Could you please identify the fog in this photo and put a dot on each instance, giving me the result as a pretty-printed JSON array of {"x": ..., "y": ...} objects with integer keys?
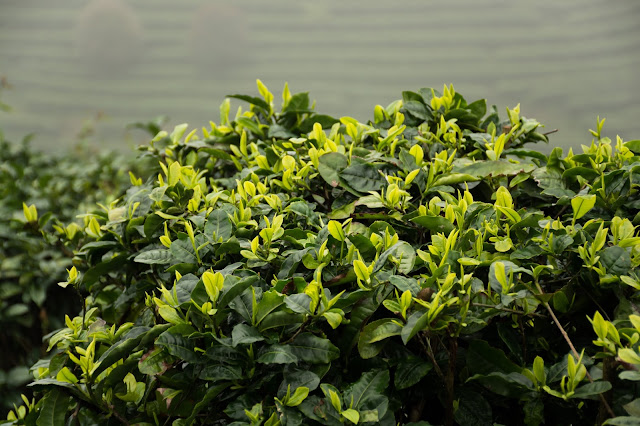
[{"x": 84, "y": 69}]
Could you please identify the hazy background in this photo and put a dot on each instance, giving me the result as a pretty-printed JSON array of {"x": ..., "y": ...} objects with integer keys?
[{"x": 82, "y": 65}]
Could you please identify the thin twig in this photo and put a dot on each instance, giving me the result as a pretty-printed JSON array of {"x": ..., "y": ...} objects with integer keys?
[
  {"x": 299, "y": 330},
  {"x": 603, "y": 400},
  {"x": 429, "y": 352},
  {"x": 117, "y": 415},
  {"x": 550, "y": 132},
  {"x": 512, "y": 311}
]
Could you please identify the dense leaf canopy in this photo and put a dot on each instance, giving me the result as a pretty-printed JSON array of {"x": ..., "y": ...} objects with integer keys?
[{"x": 286, "y": 267}]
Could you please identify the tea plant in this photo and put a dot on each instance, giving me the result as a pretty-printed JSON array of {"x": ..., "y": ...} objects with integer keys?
[
  {"x": 285, "y": 267},
  {"x": 50, "y": 191}
]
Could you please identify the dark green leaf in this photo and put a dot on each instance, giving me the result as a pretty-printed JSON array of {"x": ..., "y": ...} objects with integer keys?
[
  {"x": 330, "y": 165},
  {"x": 252, "y": 100},
  {"x": 473, "y": 409},
  {"x": 371, "y": 339},
  {"x": 277, "y": 354},
  {"x": 218, "y": 224},
  {"x": 183, "y": 251},
  {"x": 103, "y": 268},
  {"x": 417, "y": 109},
  {"x": 362, "y": 177},
  {"x": 584, "y": 172},
  {"x": 280, "y": 319},
  {"x": 234, "y": 289},
  {"x": 415, "y": 323},
  {"x": 53, "y": 411},
  {"x": 410, "y": 371},
  {"x": 483, "y": 359},
  {"x": 436, "y": 224},
  {"x": 325, "y": 121},
  {"x": 219, "y": 372},
  {"x": 403, "y": 284},
  {"x": 591, "y": 389},
  {"x": 243, "y": 334},
  {"x": 178, "y": 346},
  {"x": 296, "y": 378},
  {"x": 527, "y": 252},
  {"x": 366, "y": 249},
  {"x": 205, "y": 401},
  {"x": 370, "y": 385},
  {"x": 157, "y": 256},
  {"x": 270, "y": 301},
  {"x": 512, "y": 385},
  {"x": 298, "y": 102},
  {"x": 561, "y": 242},
  {"x": 217, "y": 153},
  {"x": 534, "y": 412},
  {"x": 299, "y": 303},
  {"x": 251, "y": 125},
  {"x": 155, "y": 362},
  {"x": 121, "y": 349},
  {"x": 616, "y": 260},
  {"x": 484, "y": 169},
  {"x": 313, "y": 349}
]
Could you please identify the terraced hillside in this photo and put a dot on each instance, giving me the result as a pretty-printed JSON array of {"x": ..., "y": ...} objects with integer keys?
[{"x": 115, "y": 61}]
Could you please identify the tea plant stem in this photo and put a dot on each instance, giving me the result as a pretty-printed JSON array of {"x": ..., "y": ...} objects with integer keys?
[
  {"x": 512, "y": 311},
  {"x": 64, "y": 249},
  {"x": 427, "y": 349},
  {"x": 117, "y": 415},
  {"x": 608, "y": 374},
  {"x": 84, "y": 306},
  {"x": 603, "y": 401},
  {"x": 450, "y": 381},
  {"x": 300, "y": 330},
  {"x": 524, "y": 340}
]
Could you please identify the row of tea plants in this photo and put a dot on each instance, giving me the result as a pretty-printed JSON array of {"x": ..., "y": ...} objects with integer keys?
[
  {"x": 285, "y": 267},
  {"x": 31, "y": 304}
]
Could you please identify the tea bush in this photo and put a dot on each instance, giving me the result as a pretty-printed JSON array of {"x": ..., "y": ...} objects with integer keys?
[
  {"x": 31, "y": 304},
  {"x": 425, "y": 267}
]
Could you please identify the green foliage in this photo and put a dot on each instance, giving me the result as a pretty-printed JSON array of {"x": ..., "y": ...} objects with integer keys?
[
  {"x": 41, "y": 194},
  {"x": 291, "y": 268}
]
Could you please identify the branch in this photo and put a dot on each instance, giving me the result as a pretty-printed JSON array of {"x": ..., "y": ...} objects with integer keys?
[
  {"x": 603, "y": 400},
  {"x": 299, "y": 330},
  {"x": 429, "y": 352},
  {"x": 512, "y": 311}
]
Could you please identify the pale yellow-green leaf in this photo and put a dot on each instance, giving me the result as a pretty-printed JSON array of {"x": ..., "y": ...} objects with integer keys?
[
  {"x": 361, "y": 270},
  {"x": 503, "y": 245},
  {"x": 170, "y": 315},
  {"x": 298, "y": 396},
  {"x": 333, "y": 318},
  {"x": 468, "y": 261},
  {"x": 65, "y": 375},
  {"x": 336, "y": 231},
  {"x": 417, "y": 153},
  {"x": 581, "y": 205},
  {"x": 501, "y": 276},
  {"x": 30, "y": 212},
  {"x": 629, "y": 355},
  {"x": 352, "y": 415},
  {"x": 538, "y": 370},
  {"x": 335, "y": 401},
  {"x": 178, "y": 132},
  {"x": 503, "y": 198}
]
